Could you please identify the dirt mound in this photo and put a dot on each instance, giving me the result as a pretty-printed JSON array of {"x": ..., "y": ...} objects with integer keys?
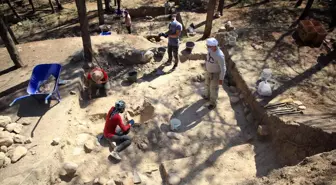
[{"x": 318, "y": 169}]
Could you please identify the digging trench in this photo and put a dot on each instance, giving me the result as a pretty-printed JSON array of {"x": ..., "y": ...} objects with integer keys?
[{"x": 292, "y": 141}]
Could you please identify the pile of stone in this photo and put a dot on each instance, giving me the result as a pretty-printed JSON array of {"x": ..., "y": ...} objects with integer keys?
[{"x": 11, "y": 149}]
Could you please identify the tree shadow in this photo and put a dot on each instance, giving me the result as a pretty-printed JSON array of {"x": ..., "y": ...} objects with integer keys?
[
  {"x": 322, "y": 61},
  {"x": 10, "y": 69}
]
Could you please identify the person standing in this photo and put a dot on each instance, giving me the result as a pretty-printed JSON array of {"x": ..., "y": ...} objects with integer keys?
[
  {"x": 115, "y": 131},
  {"x": 175, "y": 29},
  {"x": 128, "y": 22},
  {"x": 215, "y": 71}
]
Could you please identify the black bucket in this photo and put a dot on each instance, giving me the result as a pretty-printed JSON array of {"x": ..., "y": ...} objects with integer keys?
[
  {"x": 190, "y": 46},
  {"x": 132, "y": 76},
  {"x": 161, "y": 51}
]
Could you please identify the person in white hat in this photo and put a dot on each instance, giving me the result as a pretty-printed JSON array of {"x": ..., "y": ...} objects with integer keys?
[
  {"x": 97, "y": 79},
  {"x": 216, "y": 69}
]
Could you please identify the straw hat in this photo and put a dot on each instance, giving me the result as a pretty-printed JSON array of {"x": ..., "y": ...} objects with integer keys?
[{"x": 97, "y": 76}]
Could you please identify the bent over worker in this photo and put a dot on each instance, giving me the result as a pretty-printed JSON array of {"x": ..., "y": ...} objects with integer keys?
[
  {"x": 97, "y": 80},
  {"x": 115, "y": 131},
  {"x": 215, "y": 67}
]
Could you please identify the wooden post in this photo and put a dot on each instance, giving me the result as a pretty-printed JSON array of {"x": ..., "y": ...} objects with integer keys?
[
  {"x": 209, "y": 18},
  {"x": 84, "y": 26},
  {"x": 51, "y": 6},
  {"x": 100, "y": 12},
  {"x": 9, "y": 43}
]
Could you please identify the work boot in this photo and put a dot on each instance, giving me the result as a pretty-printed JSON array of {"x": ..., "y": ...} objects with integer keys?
[
  {"x": 115, "y": 155},
  {"x": 168, "y": 63},
  {"x": 175, "y": 66},
  {"x": 113, "y": 144},
  {"x": 211, "y": 107},
  {"x": 205, "y": 97}
]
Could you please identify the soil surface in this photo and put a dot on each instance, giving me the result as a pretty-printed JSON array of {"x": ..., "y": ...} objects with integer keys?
[
  {"x": 175, "y": 94},
  {"x": 211, "y": 145}
]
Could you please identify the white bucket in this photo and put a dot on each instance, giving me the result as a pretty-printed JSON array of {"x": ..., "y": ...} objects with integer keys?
[{"x": 175, "y": 124}]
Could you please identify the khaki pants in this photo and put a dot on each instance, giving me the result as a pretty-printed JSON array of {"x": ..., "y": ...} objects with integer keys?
[{"x": 212, "y": 86}]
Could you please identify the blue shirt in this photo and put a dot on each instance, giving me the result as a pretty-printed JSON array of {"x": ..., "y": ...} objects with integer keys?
[{"x": 173, "y": 27}]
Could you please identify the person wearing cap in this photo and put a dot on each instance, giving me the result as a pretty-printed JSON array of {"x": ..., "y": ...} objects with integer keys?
[
  {"x": 175, "y": 29},
  {"x": 97, "y": 79},
  {"x": 115, "y": 131},
  {"x": 216, "y": 69}
]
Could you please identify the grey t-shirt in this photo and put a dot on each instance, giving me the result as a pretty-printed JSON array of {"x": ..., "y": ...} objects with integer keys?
[{"x": 173, "y": 27}]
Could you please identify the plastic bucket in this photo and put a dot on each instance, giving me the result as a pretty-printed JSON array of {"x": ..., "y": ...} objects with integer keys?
[
  {"x": 132, "y": 76},
  {"x": 175, "y": 124}
]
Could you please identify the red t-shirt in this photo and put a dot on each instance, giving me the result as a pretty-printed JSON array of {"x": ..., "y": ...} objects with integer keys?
[
  {"x": 98, "y": 69},
  {"x": 111, "y": 124}
]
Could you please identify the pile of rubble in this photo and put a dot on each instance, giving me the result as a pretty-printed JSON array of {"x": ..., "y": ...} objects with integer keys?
[{"x": 11, "y": 142}]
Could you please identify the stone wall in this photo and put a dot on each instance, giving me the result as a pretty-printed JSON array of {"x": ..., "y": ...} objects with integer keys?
[{"x": 292, "y": 141}]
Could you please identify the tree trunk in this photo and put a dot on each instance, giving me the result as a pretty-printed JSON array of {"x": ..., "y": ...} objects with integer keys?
[
  {"x": 107, "y": 6},
  {"x": 221, "y": 7},
  {"x": 84, "y": 26},
  {"x": 32, "y": 5},
  {"x": 9, "y": 43},
  {"x": 59, "y": 5},
  {"x": 298, "y": 3},
  {"x": 209, "y": 18},
  {"x": 184, "y": 30},
  {"x": 51, "y": 6},
  {"x": 13, "y": 9},
  {"x": 306, "y": 10},
  {"x": 100, "y": 12}
]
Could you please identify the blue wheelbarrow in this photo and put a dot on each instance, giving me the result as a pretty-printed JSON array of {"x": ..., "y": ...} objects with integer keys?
[{"x": 40, "y": 75}]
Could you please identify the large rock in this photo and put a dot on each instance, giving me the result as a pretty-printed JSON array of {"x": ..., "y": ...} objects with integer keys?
[
  {"x": 234, "y": 99},
  {"x": 131, "y": 57},
  {"x": 70, "y": 167},
  {"x": 89, "y": 146},
  {"x": 136, "y": 178},
  {"x": 173, "y": 135},
  {"x": 6, "y": 139},
  {"x": 18, "y": 128},
  {"x": 173, "y": 179},
  {"x": 19, "y": 139},
  {"x": 124, "y": 178},
  {"x": 10, "y": 127},
  {"x": 4, "y": 121},
  {"x": 18, "y": 153},
  {"x": 233, "y": 89},
  {"x": 111, "y": 182},
  {"x": 2, "y": 159},
  {"x": 249, "y": 118},
  {"x": 3, "y": 149},
  {"x": 56, "y": 141}
]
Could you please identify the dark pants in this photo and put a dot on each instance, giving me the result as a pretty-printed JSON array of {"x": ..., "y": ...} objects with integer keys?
[
  {"x": 118, "y": 4},
  {"x": 122, "y": 140},
  {"x": 173, "y": 50},
  {"x": 129, "y": 29}
]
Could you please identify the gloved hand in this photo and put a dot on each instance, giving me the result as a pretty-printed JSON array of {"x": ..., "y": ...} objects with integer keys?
[{"x": 163, "y": 35}]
